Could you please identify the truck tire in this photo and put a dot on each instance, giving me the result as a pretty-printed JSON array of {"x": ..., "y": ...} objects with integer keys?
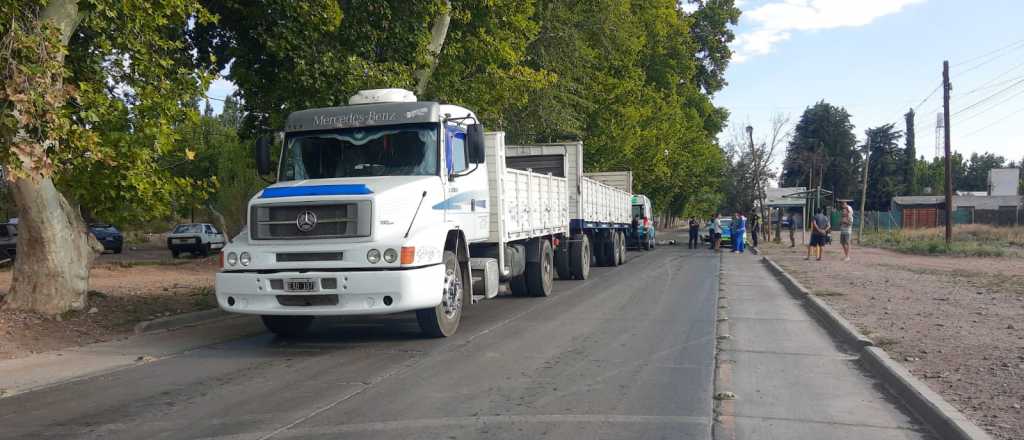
[
  {"x": 174, "y": 254},
  {"x": 611, "y": 254},
  {"x": 622, "y": 249},
  {"x": 579, "y": 257},
  {"x": 287, "y": 326},
  {"x": 443, "y": 320},
  {"x": 517, "y": 285},
  {"x": 540, "y": 276},
  {"x": 562, "y": 263},
  {"x": 204, "y": 250}
]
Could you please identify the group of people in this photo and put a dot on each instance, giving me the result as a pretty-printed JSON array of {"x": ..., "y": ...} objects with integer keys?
[
  {"x": 821, "y": 228},
  {"x": 737, "y": 231}
]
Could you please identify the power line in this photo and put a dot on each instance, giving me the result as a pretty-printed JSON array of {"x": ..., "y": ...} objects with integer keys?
[
  {"x": 992, "y": 82},
  {"x": 1009, "y": 46},
  {"x": 1000, "y": 120},
  {"x": 985, "y": 99},
  {"x": 991, "y": 107}
]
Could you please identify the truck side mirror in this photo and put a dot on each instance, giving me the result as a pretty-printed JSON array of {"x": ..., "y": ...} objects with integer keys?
[
  {"x": 262, "y": 154},
  {"x": 475, "y": 142}
]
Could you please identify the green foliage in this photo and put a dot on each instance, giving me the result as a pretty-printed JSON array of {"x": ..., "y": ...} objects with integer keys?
[
  {"x": 910, "y": 157},
  {"x": 823, "y": 148},
  {"x": 886, "y": 177},
  {"x": 975, "y": 177},
  {"x": 101, "y": 111}
]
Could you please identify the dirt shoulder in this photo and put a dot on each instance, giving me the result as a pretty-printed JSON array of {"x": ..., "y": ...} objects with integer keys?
[
  {"x": 121, "y": 296},
  {"x": 955, "y": 322}
]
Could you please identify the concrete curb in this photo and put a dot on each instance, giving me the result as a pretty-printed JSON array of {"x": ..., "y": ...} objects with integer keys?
[
  {"x": 182, "y": 320},
  {"x": 834, "y": 322},
  {"x": 942, "y": 417}
]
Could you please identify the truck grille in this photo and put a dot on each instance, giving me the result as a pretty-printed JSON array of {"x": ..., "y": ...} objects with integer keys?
[{"x": 301, "y": 221}]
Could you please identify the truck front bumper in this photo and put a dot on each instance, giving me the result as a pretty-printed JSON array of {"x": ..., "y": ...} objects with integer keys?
[{"x": 350, "y": 293}]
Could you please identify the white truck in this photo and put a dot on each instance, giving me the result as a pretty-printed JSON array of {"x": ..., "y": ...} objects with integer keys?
[
  {"x": 391, "y": 205},
  {"x": 599, "y": 204}
]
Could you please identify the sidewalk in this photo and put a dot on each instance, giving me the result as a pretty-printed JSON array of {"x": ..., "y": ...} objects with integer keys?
[
  {"x": 790, "y": 379},
  {"x": 56, "y": 367}
]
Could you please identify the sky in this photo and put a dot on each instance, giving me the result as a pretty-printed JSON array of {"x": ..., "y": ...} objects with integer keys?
[{"x": 879, "y": 58}]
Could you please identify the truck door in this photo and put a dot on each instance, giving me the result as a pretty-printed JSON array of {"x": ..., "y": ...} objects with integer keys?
[{"x": 466, "y": 195}]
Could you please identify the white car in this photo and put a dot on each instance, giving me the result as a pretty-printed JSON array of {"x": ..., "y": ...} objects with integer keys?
[{"x": 195, "y": 238}]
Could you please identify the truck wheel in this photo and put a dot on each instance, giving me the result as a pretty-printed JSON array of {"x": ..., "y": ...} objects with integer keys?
[
  {"x": 622, "y": 248},
  {"x": 540, "y": 275},
  {"x": 442, "y": 320},
  {"x": 611, "y": 250},
  {"x": 204, "y": 251},
  {"x": 579, "y": 257},
  {"x": 174, "y": 254},
  {"x": 562, "y": 263},
  {"x": 287, "y": 326}
]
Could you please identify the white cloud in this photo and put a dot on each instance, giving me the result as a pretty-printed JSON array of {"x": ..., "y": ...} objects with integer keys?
[{"x": 776, "y": 21}]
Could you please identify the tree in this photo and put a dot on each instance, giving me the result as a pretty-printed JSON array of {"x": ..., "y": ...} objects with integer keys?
[
  {"x": 91, "y": 93},
  {"x": 976, "y": 171},
  {"x": 885, "y": 167},
  {"x": 910, "y": 182},
  {"x": 823, "y": 151}
]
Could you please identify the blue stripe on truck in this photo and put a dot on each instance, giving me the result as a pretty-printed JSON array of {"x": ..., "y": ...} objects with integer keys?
[{"x": 316, "y": 190}]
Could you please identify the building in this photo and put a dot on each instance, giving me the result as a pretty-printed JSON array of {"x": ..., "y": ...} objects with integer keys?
[
  {"x": 1003, "y": 181},
  {"x": 930, "y": 211}
]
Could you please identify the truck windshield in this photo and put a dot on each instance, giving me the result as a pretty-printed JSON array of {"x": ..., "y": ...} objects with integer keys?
[{"x": 406, "y": 150}]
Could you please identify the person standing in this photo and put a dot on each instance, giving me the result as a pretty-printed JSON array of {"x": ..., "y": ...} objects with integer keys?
[
  {"x": 694, "y": 232},
  {"x": 716, "y": 237},
  {"x": 846, "y": 228},
  {"x": 820, "y": 227},
  {"x": 740, "y": 235},
  {"x": 790, "y": 224},
  {"x": 755, "y": 225}
]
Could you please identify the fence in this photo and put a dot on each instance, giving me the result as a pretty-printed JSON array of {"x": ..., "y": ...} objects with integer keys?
[{"x": 913, "y": 218}]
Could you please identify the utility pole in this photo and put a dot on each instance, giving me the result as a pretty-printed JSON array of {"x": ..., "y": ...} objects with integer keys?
[
  {"x": 864, "y": 188},
  {"x": 946, "y": 87}
]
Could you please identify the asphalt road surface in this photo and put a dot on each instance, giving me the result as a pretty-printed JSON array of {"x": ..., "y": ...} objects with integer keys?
[{"x": 628, "y": 353}]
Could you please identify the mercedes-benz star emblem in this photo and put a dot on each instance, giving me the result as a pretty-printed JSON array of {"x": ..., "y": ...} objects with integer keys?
[{"x": 306, "y": 221}]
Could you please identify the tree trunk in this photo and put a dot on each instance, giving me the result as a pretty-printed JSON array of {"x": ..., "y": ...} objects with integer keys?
[
  {"x": 55, "y": 251},
  {"x": 438, "y": 33}
]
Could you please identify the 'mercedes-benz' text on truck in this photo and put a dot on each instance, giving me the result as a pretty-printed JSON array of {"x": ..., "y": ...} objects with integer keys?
[{"x": 390, "y": 205}]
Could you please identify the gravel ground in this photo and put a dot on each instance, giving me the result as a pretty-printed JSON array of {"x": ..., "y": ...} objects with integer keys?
[
  {"x": 957, "y": 323},
  {"x": 122, "y": 294}
]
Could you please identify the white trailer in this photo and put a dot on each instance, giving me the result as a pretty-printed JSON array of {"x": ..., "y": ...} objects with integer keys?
[
  {"x": 390, "y": 205},
  {"x": 600, "y": 214}
]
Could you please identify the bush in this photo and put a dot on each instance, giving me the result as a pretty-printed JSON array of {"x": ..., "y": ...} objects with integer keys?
[{"x": 968, "y": 241}]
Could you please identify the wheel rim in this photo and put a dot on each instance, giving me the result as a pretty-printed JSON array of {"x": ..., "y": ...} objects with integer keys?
[
  {"x": 547, "y": 268},
  {"x": 451, "y": 298}
]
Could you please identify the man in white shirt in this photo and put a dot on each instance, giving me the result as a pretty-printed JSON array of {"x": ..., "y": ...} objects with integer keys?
[{"x": 846, "y": 228}]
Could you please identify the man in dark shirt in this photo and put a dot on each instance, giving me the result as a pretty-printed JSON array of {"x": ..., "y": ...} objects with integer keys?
[
  {"x": 694, "y": 232},
  {"x": 820, "y": 228}
]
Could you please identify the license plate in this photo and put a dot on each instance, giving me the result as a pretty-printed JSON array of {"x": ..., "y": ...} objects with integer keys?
[{"x": 299, "y": 285}]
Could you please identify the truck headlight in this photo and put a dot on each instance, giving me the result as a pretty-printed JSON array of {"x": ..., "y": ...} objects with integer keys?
[
  {"x": 390, "y": 256},
  {"x": 245, "y": 258},
  {"x": 232, "y": 258},
  {"x": 373, "y": 256}
]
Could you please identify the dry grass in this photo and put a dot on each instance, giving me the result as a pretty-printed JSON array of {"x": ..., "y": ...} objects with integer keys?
[{"x": 968, "y": 240}]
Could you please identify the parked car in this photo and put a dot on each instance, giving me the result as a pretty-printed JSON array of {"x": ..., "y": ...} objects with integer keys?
[
  {"x": 8, "y": 241},
  {"x": 195, "y": 238},
  {"x": 108, "y": 236},
  {"x": 726, "y": 233}
]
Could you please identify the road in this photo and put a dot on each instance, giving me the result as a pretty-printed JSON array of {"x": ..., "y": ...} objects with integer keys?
[{"x": 627, "y": 354}]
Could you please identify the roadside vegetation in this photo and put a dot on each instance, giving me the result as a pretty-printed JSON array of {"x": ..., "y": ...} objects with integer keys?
[{"x": 968, "y": 241}]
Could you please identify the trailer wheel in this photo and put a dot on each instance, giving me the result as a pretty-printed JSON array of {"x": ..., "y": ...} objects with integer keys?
[
  {"x": 562, "y": 264},
  {"x": 622, "y": 248},
  {"x": 540, "y": 275},
  {"x": 611, "y": 253},
  {"x": 287, "y": 326},
  {"x": 442, "y": 320},
  {"x": 579, "y": 256}
]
